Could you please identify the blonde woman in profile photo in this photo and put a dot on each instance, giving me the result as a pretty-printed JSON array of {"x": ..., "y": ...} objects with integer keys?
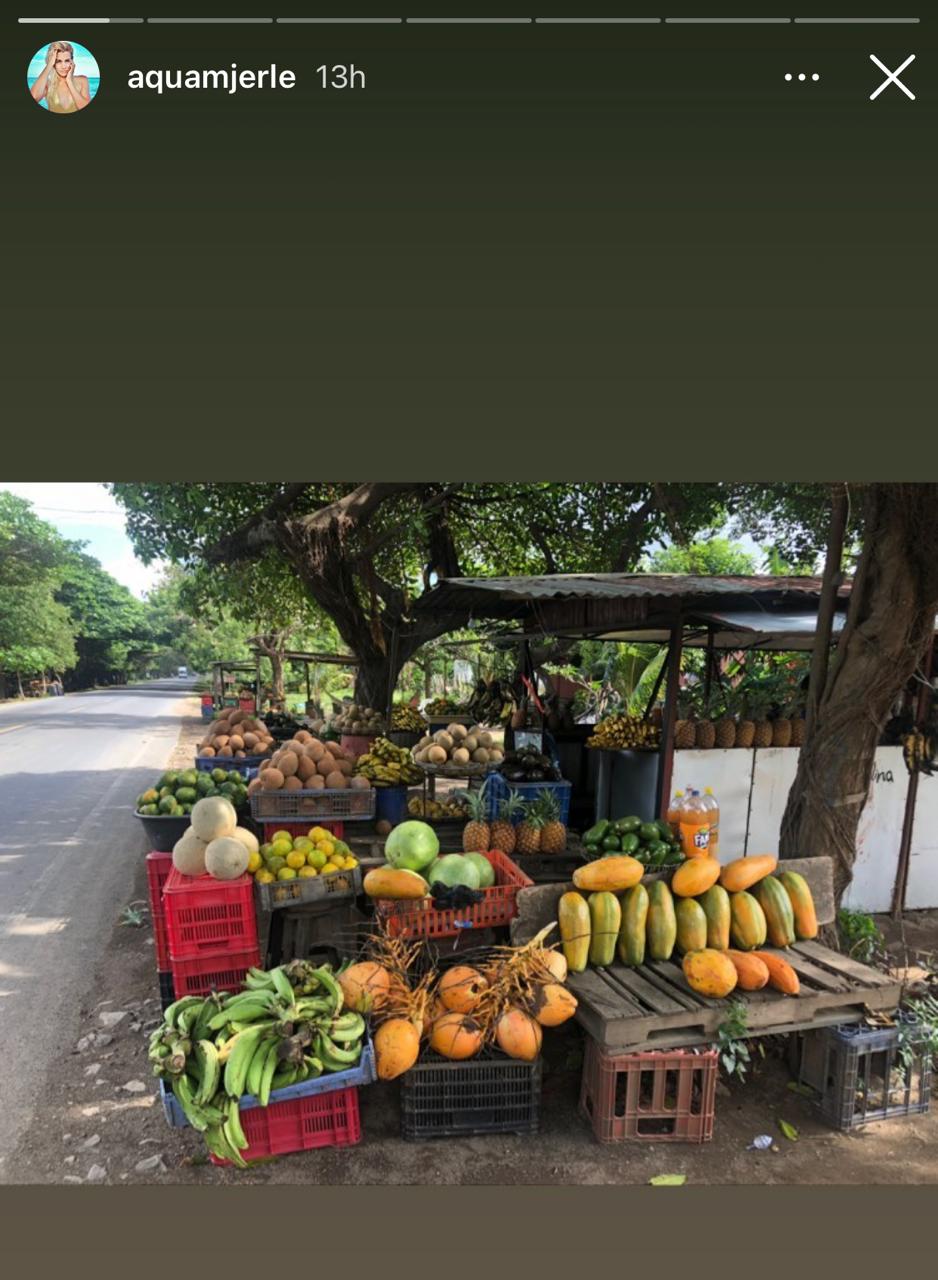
[{"x": 62, "y": 89}]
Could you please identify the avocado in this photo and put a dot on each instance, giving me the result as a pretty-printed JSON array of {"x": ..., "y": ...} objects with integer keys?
[
  {"x": 625, "y": 826},
  {"x": 610, "y": 843},
  {"x": 596, "y": 833},
  {"x": 629, "y": 843},
  {"x": 649, "y": 833}
]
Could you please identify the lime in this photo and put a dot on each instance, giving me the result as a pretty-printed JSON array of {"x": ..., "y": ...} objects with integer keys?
[
  {"x": 276, "y": 865},
  {"x": 316, "y": 858},
  {"x": 296, "y": 859},
  {"x": 286, "y": 873}
]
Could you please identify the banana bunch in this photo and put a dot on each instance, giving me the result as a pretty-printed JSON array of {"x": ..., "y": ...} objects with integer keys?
[
  {"x": 918, "y": 752},
  {"x": 407, "y": 719},
  {"x": 388, "y": 766},
  {"x": 620, "y": 732},
  {"x": 287, "y": 1026},
  {"x": 437, "y": 810}
]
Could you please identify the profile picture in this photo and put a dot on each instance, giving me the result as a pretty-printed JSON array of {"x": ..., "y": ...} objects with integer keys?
[{"x": 63, "y": 77}]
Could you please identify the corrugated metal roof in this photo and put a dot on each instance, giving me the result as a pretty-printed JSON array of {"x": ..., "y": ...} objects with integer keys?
[{"x": 619, "y": 585}]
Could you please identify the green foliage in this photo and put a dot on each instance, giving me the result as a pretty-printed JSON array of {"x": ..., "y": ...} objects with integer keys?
[
  {"x": 712, "y": 556},
  {"x": 919, "y": 1037},
  {"x": 735, "y": 1058},
  {"x": 860, "y": 936}
]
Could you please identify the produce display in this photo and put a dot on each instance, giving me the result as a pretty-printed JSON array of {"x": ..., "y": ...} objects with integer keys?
[
  {"x": 538, "y": 831},
  {"x": 306, "y": 763},
  {"x": 529, "y": 765},
  {"x": 652, "y": 842},
  {"x": 287, "y": 857},
  {"x": 728, "y": 732},
  {"x": 610, "y": 915},
  {"x": 407, "y": 719},
  {"x": 437, "y": 707},
  {"x": 386, "y": 765},
  {"x": 416, "y": 869},
  {"x": 504, "y": 1000},
  {"x": 178, "y": 790},
  {"x": 453, "y": 809},
  {"x": 236, "y": 734},
  {"x": 459, "y": 747},
  {"x": 287, "y": 1025},
  {"x": 214, "y": 844},
  {"x": 363, "y": 722},
  {"x": 620, "y": 732}
]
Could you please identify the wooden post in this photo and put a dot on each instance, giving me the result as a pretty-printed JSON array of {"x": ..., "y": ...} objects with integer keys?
[
  {"x": 830, "y": 582},
  {"x": 911, "y": 795},
  {"x": 666, "y": 750}
]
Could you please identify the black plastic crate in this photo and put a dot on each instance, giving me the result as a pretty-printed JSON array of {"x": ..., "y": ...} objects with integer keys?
[
  {"x": 488, "y": 1094},
  {"x": 167, "y": 993},
  {"x": 858, "y": 1076}
]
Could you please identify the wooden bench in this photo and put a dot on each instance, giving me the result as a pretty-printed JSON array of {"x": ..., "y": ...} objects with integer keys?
[{"x": 652, "y": 1007}]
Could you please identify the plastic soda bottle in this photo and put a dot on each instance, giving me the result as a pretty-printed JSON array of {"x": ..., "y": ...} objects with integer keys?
[
  {"x": 673, "y": 816},
  {"x": 713, "y": 809},
  {"x": 694, "y": 827}
]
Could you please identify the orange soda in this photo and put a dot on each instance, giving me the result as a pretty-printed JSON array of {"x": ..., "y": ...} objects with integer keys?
[{"x": 694, "y": 827}]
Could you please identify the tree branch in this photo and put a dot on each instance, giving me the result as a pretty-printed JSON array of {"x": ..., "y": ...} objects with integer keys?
[
  {"x": 632, "y": 541},
  {"x": 259, "y": 532}
]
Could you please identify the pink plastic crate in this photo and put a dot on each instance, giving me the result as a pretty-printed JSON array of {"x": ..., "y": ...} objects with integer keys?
[
  {"x": 301, "y": 1124},
  {"x": 208, "y": 915},
  {"x": 159, "y": 866}
]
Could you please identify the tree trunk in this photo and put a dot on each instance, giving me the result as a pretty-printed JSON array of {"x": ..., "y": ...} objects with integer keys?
[
  {"x": 891, "y": 614},
  {"x": 830, "y": 584},
  {"x": 276, "y": 675}
]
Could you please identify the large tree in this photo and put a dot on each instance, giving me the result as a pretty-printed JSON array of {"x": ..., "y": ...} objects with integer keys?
[
  {"x": 368, "y": 555},
  {"x": 113, "y": 639},
  {"x": 890, "y": 622}
]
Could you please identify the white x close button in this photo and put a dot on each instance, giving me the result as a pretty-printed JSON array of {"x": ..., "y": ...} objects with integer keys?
[{"x": 892, "y": 77}]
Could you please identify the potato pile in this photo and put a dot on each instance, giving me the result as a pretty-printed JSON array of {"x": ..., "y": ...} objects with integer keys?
[
  {"x": 307, "y": 764},
  {"x": 459, "y": 746},
  {"x": 236, "y": 734}
]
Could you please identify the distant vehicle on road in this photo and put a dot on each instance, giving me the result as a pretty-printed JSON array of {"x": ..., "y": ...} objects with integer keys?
[{"x": 182, "y": 671}]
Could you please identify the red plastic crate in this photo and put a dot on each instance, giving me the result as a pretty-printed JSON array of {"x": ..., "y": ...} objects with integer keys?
[
  {"x": 301, "y": 1124},
  {"x": 302, "y": 828},
  {"x": 649, "y": 1097},
  {"x": 421, "y": 919},
  {"x": 218, "y": 971},
  {"x": 208, "y": 915},
  {"x": 159, "y": 866}
]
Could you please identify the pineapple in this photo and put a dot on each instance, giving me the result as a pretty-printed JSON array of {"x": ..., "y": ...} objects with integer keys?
[
  {"x": 745, "y": 733},
  {"x": 685, "y": 734},
  {"x": 553, "y": 833},
  {"x": 502, "y": 831},
  {"x": 477, "y": 834},
  {"x": 781, "y": 732},
  {"x": 529, "y": 832},
  {"x": 704, "y": 734},
  {"x": 797, "y": 731},
  {"x": 725, "y": 732}
]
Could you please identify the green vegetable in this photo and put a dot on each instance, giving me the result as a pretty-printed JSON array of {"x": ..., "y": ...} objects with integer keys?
[
  {"x": 596, "y": 833},
  {"x": 610, "y": 843},
  {"x": 625, "y": 826},
  {"x": 649, "y": 833},
  {"x": 629, "y": 843},
  {"x": 664, "y": 828}
]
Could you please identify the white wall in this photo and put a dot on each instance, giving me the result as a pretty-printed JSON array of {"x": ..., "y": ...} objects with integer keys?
[{"x": 752, "y": 788}]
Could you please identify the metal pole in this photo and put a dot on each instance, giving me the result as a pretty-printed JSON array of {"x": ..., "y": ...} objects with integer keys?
[
  {"x": 708, "y": 668},
  {"x": 666, "y": 750},
  {"x": 911, "y": 795}
]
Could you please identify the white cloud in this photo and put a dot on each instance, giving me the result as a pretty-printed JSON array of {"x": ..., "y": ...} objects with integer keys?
[
  {"x": 138, "y": 577},
  {"x": 80, "y": 503}
]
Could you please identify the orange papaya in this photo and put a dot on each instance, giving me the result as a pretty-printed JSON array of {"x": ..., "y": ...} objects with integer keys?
[
  {"x": 691, "y": 924},
  {"x": 781, "y": 975},
  {"x": 752, "y": 974},
  {"x": 743, "y": 873},
  {"x": 716, "y": 907},
  {"x": 802, "y": 904},
  {"x": 776, "y": 907},
  {"x": 695, "y": 876},
  {"x": 709, "y": 972},
  {"x": 747, "y": 922},
  {"x": 661, "y": 924}
]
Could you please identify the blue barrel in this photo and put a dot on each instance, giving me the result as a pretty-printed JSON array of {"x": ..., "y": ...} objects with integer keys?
[{"x": 391, "y": 804}]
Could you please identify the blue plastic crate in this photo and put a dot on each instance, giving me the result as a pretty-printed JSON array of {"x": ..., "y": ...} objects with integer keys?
[
  {"x": 208, "y": 713},
  {"x": 247, "y": 767},
  {"x": 498, "y": 790},
  {"x": 363, "y": 1073}
]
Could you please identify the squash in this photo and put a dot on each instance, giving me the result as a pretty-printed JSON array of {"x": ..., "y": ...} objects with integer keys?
[
  {"x": 709, "y": 972},
  {"x": 752, "y": 974},
  {"x": 695, "y": 876},
  {"x": 391, "y": 882},
  {"x": 631, "y": 946},
  {"x": 691, "y": 924},
  {"x": 747, "y": 922},
  {"x": 744, "y": 872},
  {"x": 716, "y": 907},
  {"x": 613, "y": 874},
  {"x": 661, "y": 925},
  {"x": 802, "y": 904},
  {"x": 776, "y": 907},
  {"x": 605, "y": 918},
  {"x": 573, "y": 917},
  {"x": 781, "y": 975}
]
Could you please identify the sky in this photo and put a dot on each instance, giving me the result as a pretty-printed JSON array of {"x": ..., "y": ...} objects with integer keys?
[{"x": 88, "y": 513}]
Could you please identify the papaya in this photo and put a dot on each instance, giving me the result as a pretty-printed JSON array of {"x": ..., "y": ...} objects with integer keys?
[
  {"x": 614, "y": 874},
  {"x": 710, "y": 973},
  {"x": 744, "y": 872},
  {"x": 802, "y": 904},
  {"x": 748, "y": 929},
  {"x": 661, "y": 923},
  {"x": 716, "y": 907},
  {"x": 695, "y": 876},
  {"x": 605, "y": 919},
  {"x": 691, "y": 924},
  {"x": 752, "y": 974},
  {"x": 388, "y": 882},
  {"x": 776, "y": 907},
  {"x": 781, "y": 975},
  {"x": 631, "y": 945},
  {"x": 573, "y": 917}
]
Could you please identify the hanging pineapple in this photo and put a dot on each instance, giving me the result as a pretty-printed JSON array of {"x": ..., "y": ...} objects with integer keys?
[
  {"x": 477, "y": 834},
  {"x": 553, "y": 832},
  {"x": 529, "y": 831},
  {"x": 502, "y": 830},
  {"x": 781, "y": 732},
  {"x": 685, "y": 731},
  {"x": 725, "y": 729}
]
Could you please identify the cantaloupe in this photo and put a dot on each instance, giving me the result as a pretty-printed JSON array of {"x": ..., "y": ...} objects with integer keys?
[
  {"x": 213, "y": 817},
  {"x": 236, "y": 742},
  {"x": 247, "y": 838},
  {"x": 436, "y": 755},
  {"x": 461, "y": 756},
  {"x": 189, "y": 854},
  {"x": 226, "y": 858}
]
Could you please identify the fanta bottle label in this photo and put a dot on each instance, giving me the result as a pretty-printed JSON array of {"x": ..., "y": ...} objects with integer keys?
[{"x": 695, "y": 839}]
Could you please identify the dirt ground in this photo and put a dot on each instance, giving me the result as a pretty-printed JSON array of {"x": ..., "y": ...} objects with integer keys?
[{"x": 103, "y": 1122}]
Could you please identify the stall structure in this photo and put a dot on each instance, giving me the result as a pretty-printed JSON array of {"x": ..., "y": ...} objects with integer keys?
[
  {"x": 225, "y": 682},
  {"x": 306, "y": 660}
]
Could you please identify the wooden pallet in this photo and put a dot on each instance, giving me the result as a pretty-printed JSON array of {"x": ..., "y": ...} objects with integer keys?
[{"x": 653, "y": 1006}]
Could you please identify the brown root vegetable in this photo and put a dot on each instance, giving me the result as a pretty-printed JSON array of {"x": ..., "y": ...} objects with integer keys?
[
  {"x": 293, "y": 783},
  {"x": 336, "y": 781},
  {"x": 288, "y": 763},
  {"x": 273, "y": 779}
]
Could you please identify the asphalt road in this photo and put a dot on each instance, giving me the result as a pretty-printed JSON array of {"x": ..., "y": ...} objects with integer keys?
[{"x": 70, "y": 771}]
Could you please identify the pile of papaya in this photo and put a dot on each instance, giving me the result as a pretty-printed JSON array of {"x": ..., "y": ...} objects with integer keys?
[
  {"x": 651, "y": 843},
  {"x": 718, "y": 918}
]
